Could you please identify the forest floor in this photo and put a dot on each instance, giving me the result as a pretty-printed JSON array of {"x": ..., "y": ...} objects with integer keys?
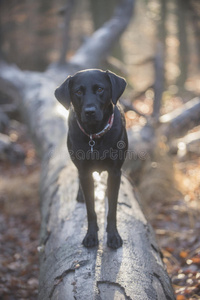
[
  {"x": 170, "y": 196},
  {"x": 176, "y": 223},
  {"x": 20, "y": 221}
]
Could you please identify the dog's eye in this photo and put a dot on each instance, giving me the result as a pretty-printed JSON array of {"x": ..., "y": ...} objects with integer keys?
[
  {"x": 100, "y": 90},
  {"x": 79, "y": 93}
]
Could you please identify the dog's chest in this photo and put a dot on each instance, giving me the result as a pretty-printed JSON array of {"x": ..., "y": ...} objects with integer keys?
[{"x": 90, "y": 147}]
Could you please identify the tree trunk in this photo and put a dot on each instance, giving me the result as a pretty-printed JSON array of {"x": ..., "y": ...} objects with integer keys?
[{"x": 182, "y": 12}]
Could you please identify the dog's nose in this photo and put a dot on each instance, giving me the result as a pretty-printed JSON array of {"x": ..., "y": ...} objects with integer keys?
[{"x": 90, "y": 111}]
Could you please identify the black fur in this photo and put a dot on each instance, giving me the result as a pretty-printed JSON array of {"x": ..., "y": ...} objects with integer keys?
[{"x": 91, "y": 96}]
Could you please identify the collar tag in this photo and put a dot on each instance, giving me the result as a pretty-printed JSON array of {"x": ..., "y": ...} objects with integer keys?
[{"x": 91, "y": 143}]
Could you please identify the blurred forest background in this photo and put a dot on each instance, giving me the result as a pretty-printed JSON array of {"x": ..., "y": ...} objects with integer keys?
[{"x": 160, "y": 46}]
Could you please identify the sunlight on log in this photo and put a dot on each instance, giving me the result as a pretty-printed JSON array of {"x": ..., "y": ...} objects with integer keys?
[
  {"x": 100, "y": 186},
  {"x": 61, "y": 110}
]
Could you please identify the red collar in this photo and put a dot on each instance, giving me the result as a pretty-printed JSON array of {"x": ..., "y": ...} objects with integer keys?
[{"x": 100, "y": 133}]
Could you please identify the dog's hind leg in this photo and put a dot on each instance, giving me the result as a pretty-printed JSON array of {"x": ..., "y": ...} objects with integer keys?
[
  {"x": 87, "y": 184},
  {"x": 80, "y": 196},
  {"x": 113, "y": 238}
]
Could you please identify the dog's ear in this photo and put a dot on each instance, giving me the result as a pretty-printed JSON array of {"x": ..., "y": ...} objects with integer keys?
[
  {"x": 118, "y": 85},
  {"x": 62, "y": 93}
]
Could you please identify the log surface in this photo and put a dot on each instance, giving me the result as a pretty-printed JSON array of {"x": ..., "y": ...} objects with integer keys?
[{"x": 71, "y": 271}]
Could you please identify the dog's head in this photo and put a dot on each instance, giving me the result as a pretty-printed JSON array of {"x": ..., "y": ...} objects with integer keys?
[{"x": 92, "y": 92}]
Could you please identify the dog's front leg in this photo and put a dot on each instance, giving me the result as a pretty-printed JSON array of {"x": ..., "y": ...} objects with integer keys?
[
  {"x": 113, "y": 239},
  {"x": 87, "y": 184}
]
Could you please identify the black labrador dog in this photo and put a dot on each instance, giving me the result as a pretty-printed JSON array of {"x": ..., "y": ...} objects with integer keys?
[{"x": 97, "y": 141}]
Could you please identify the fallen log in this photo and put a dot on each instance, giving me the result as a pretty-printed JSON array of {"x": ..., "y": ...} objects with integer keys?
[
  {"x": 171, "y": 128},
  {"x": 67, "y": 269},
  {"x": 188, "y": 144},
  {"x": 177, "y": 123}
]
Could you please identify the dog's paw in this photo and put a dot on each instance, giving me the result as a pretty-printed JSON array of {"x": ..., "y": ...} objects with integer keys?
[
  {"x": 114, "y": 240},
  {"x": 91, "y": 239}
]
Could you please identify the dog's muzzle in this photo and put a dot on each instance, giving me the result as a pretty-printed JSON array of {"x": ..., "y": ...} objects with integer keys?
[{"x": 90, "y": 113}]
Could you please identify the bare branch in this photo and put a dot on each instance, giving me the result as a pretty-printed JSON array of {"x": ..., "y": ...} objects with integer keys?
[{"x": 181, "y": 120}]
